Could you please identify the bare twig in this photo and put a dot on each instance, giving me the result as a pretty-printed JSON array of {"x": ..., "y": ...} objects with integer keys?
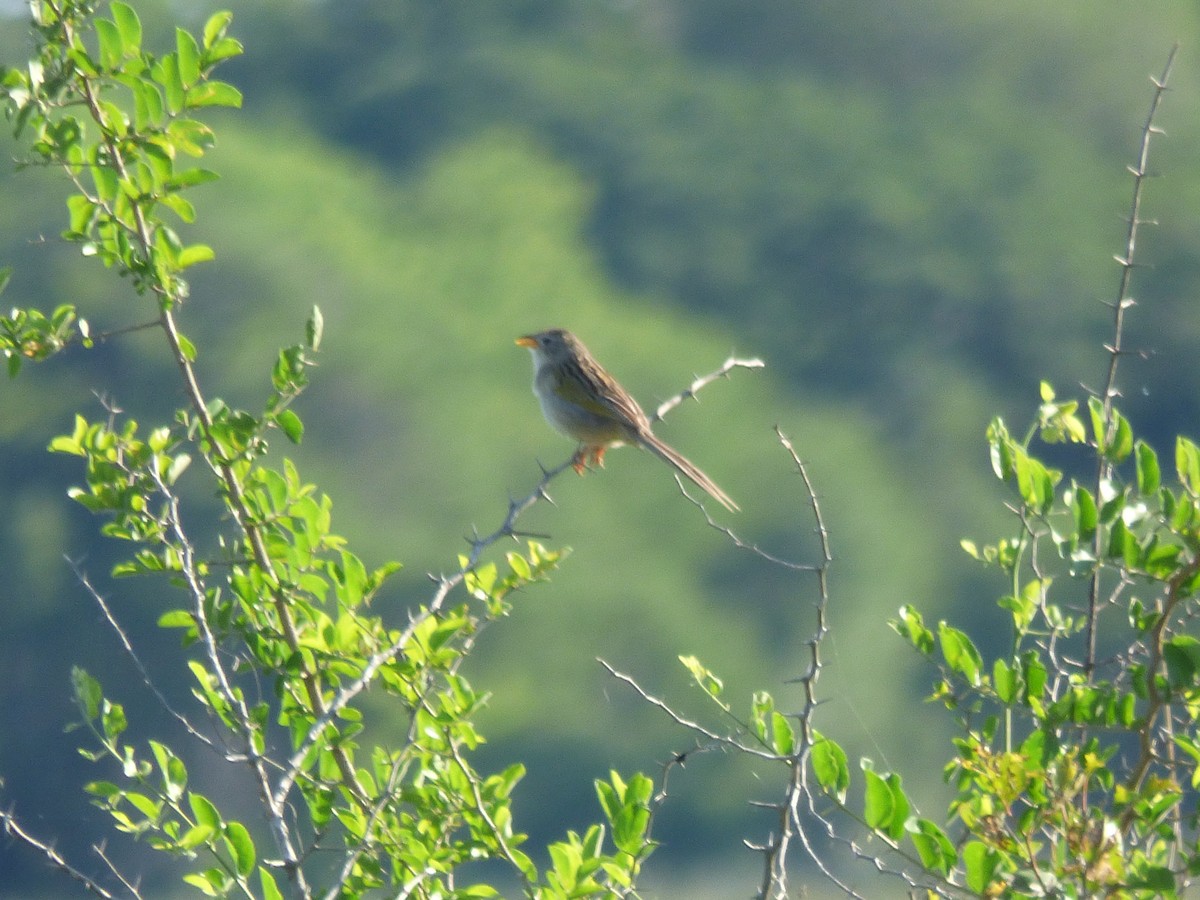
[
  {"x": 102, "y": 851},
  {"x": 13, "y": 827},
  {"x": 119, "y": 631},
  {"x": 737, "y": 541},
  {"x": 702, "y": 381},
  {"x": 682, "y": 720}
]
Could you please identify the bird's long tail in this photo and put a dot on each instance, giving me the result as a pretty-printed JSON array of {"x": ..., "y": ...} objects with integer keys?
[{"x": 688, "y": 469}]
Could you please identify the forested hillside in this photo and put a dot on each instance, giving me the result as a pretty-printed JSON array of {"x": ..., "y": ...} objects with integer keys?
[{"x": 908, "y": 211}]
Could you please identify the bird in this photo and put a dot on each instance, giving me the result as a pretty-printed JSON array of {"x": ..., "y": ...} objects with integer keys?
[{"x": 582, "y": 401}]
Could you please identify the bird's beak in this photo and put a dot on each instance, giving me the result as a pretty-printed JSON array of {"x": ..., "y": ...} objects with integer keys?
[{"x": 526, "y": 340}]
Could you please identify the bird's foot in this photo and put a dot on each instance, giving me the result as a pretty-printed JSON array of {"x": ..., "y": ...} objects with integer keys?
[{"x": 586, "y": 457}]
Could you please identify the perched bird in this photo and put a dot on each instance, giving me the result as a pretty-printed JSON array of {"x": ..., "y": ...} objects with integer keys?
[{"x": 584, "y": 402}]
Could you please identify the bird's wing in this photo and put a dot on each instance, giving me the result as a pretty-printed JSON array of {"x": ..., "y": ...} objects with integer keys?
[{"x": 602, "y": 396}]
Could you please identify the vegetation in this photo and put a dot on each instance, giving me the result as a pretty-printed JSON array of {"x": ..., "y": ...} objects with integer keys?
[{"x": 284, "y": 629}]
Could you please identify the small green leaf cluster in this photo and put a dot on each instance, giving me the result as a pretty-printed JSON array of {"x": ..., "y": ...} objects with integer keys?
[
  {"x": 278, "y": 636},
  {"x": 118, "y": 120},
  {"x": 123, "y": 472},
  {"x": 1077, "y": 761},
  {"x": 1079, "y": 741},
  {"x": 30, "y": 334},
  {"x": 117, "y": 117},
  {"x": 581, "y": 867},
  {"x": 154, "y": 803}
]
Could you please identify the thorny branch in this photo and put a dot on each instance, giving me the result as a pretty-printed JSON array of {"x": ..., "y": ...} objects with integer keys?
[
  {"x": 791, "y": 810},
  {"x": 1140, "y": 172}
]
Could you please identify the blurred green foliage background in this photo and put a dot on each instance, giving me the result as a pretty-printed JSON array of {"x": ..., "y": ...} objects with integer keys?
[{"x": 907, "y": 210}]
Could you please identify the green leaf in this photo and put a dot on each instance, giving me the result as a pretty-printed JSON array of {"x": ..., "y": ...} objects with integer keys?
[
  {"x": 1123, "y": 545},
  {"x": 270, "y": 890},
  {"x": 188, "y": 55},
  {"x": 960, "y": 653},
  {"x": 190, "y": 136},
  {"x": 102, "y": 789},
  {"x": 1083, "y": 509},
  {"x": 1034, "y": 481},
  {"x": 195, "y": 253},
  {"x": 216, "y": 27},
  {"x": 88, "y": 693},
  {"x": 933, "y": 846},
  {"x": 519, "y": 566},
  {"x": 174, "y": 772},
  {"x": 1122, "y": 443},
  {"x": 143, "y": 804},
  {"x": 204, "y": 811},
  {"x": 166, "y": 73},
  {"x": 108, "y": 36},
  {"x": 900, "y": 807},
  {"x": 187, "y": 348},
  {"x": 291, "y": 425},
  {"x": 830, "y": 766},
  {"x": 224, "y": 48},
  {"x": 1000, "y": 449},
  {"x": 180, "y": 206},
  {"x": 5, "y": 275},
  {"x": 911, "y": 625},
  {"x": 1187, "y": 464},
  {"x": 214, "y": 93},
  {"x": 1158, "y": 879},
  {"x": 147, "y": 104},
  {"x": 212, "y": 883},
  {"x": 703, "y": 677},
  {"x": 1149, "y": 476},
  {"x": 878, "y": 804},
  {"x": 1182, "y": 656},
  {"x": 627, "y": 807},
  {"x": 128, "y": 26},
  {"x": 1114, "y": 437},
  {"x": 1099, "y": 426},
  {"x": 313, "y": 329},
  {"x": 241, "y": 847},
  {"x": 196, "y": 836},
  {"x": 191, "y": 177},
  {"x": 981, "y": 865},
  {"x": 1006, "y": 681},
  {"x": 783, "y": 737},
  {"x": 82, "y": 212}
]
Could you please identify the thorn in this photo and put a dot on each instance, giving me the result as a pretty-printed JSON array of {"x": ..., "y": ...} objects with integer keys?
[{"x": 763, "y": 804}]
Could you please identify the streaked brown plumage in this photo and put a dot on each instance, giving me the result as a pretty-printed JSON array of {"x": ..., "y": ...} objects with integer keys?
[{"x": 582, "y": 401}]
